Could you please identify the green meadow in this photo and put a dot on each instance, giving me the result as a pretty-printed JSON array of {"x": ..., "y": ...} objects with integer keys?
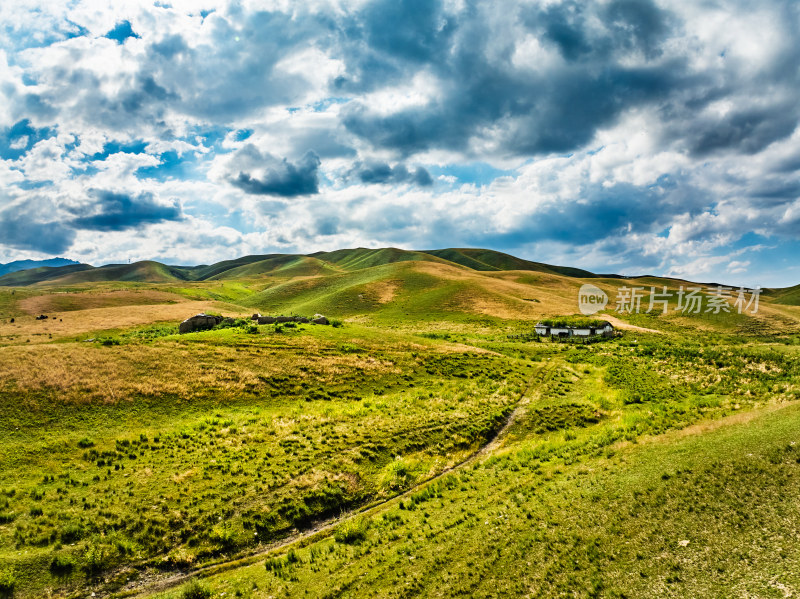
[{"x": 424, "y": 444}]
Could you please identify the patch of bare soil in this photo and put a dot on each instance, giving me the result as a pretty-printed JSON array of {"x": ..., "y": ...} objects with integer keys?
[{"x": 621, "y": 324}]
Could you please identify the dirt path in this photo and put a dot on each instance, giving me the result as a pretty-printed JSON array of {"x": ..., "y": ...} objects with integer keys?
[
  {"x": 158, "y": 583},
  {"x": 621, "y": 324}
]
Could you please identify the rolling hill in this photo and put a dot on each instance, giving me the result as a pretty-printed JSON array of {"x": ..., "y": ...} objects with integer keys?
[
  {"x": 391, "y": 285},
  {"x": 283, "y": 265}
]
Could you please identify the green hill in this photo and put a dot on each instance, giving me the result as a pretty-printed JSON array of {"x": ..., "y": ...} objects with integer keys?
[
  {"x": 788, "y": 296},
  {"x": 31, "y": 276},
  {"x": 479, "y": 259},
  {"x": 144, "y": 272},
  {"x": 354, "y": 259},
  {"x": 282, "y": 265}
]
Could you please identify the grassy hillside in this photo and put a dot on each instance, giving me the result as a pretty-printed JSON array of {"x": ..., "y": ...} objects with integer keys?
[
  {"x": 789, "y": 296},
  {"x": 283, "y": 265},
  {"x": 41, "y": 274},
  {"x": 692, "y": 515},
  {"x": 354, "y": 259},
  {"x": 479, "y": 259},
  {"x": 435, "y": 445}
]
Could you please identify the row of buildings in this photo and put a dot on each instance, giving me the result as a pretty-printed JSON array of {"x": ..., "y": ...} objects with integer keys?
[{"x": 556, "y": 329}]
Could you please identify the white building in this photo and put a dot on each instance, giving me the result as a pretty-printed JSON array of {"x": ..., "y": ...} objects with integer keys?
[{"x": 562, "y": 330}]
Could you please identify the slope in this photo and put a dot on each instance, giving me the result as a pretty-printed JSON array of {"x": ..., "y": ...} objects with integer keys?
[
  {"x": 281, "y": 265},
  {"x": 145, "y": 271},
  {"x": 426, "y": 290},
  {"x": 480, "y": 259},
  {"x": 354, "y": 259},
  {"x": 31, "y": 276}
]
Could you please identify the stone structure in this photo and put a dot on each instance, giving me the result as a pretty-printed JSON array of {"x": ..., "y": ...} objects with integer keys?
[{"x": 200, "y": 322}]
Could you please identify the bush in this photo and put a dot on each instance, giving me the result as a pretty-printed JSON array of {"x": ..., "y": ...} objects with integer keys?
[
  {"x": 195, "y": 590},
  {"x": 62, "y": 565},
  {"x": 85, "y": 443},
  {"x": 72, "y": 532},
  {"x": 277, "y": 564},
  {"x": 337, "y": 323},
  {"x": 96, "y": 558},
  {"x": 352, "y": 531},
  {"x": 7, "y": 582}
]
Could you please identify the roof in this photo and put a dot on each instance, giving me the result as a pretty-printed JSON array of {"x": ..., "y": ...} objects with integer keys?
[{"x": 596, "y": 325}]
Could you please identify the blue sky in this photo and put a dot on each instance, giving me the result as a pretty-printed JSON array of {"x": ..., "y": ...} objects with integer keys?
[{"x": 629, "y": 136}]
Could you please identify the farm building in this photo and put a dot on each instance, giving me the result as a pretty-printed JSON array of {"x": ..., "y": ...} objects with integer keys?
[{"x": 566, "y": 329}]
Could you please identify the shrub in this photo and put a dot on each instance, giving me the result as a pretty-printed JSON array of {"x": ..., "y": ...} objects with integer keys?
[
  {"x": 337, "y": 323},
  {"x": 7, "y": 582},
  {"x": 85, "y": 443},
  {"x": 96, "y": 558},
  {"x": 352, "y": 531},
  {"x": 71, "y": 532},
  {"x": 195, "y": 590},
  {"x": 277, "y": 564},
  {"x": 62, "y": 565}
]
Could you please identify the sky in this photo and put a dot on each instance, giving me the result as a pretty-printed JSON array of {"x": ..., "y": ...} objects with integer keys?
[{"x": 625, "y": 136}]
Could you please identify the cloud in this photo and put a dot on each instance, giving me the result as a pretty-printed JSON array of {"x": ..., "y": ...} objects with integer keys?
[
  {"x": 263, "y": 174},
  {"x": 30, "y": 225},
  {"x": 120, "y": 211},
  {"x": 633, "y": 133},
  {"x": 381, "y": 172}
]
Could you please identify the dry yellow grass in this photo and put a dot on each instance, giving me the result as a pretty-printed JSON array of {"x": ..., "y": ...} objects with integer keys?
[
  {"x": 62, "y": 302},
  {"x": 69, "y": 324},
  {"x": 79, "y": 373},
  {"x": 384, "y": 291},
  {"x": 506, "y": 294}
]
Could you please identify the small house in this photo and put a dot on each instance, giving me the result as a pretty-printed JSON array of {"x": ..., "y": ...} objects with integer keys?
[{"x": 548, "y": 328}]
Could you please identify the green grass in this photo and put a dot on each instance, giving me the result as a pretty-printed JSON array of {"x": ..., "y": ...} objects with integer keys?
[
  {"x": 147, "y": 452},
  {"x": 683, "y": 516},
  {"x": 171, "y": 479}
]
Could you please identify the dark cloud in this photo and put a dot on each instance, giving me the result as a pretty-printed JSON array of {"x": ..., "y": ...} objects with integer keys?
[
  {"x": 31, "y": 226},
  {"x": 120, "y": 211},
  {"x": 278, "y": 177},
  {"x": 555, "y": 110},
  {"x": 747, "y": 131},
  {"x": 381, "y": 172}
]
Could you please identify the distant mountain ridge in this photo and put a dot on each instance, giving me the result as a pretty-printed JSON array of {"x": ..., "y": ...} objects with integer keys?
[
  {"x": 329, "y": 265},
  {"x": 18, "y": 265},
  {"x": 285, "y": 265}
]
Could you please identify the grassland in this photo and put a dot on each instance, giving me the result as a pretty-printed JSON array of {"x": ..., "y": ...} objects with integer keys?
[{"x": 419, "y": 450}]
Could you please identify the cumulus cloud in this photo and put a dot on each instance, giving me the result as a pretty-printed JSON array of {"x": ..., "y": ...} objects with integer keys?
[
  {"x": 260, "y": 173},
  {"x": 32, "y": 225},
  {"x": 632, "y": 133},
  {"x": 381, "y": 172},
  {"x": 113, "y": 211}
]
